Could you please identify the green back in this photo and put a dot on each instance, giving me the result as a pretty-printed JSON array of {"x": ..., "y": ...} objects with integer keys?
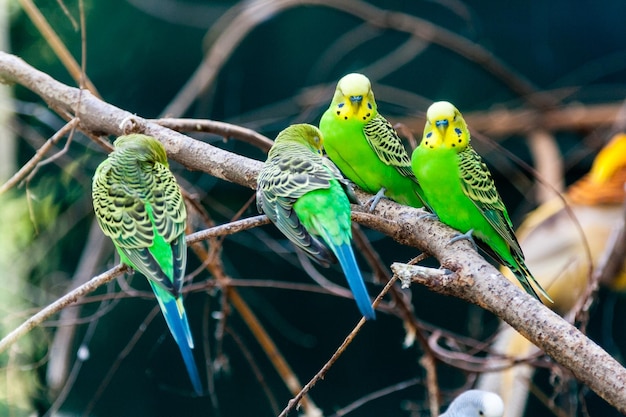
[{"x": 138, "y": 204}]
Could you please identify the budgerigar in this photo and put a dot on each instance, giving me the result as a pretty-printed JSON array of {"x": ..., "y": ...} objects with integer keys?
[
  {"x": 139, "y": 205},
  {"x": 365, "y": 146},
  {"x": 461, "y": 192},
  {"x": 306, "y": 197},
  {"x": 475, "y": 403}
]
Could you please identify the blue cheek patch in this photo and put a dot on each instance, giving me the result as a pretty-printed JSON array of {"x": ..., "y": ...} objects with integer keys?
[
  {"x": 429, "y": 134},
  {"x": 340, "y": 105},
  {"x": 458, "y": 131}
]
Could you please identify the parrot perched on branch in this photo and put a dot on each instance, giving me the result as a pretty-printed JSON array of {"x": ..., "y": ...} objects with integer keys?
[
  {"x": 459, "y": 188},
  {"x": 475, "y": 403},
  {"x": 365, "y": 146},
  {"x": 138, "y": 204},
  {"x": 557, "y": 254},
  {"x": 306, "y": 197}
]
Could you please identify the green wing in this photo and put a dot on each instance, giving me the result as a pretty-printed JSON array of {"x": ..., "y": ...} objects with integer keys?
[
  {"x": 290, "y": 174},
  {"x": 346, "y": 184},
  {"x": 139, "y": 206},
  {"x": 478, "y": 185},
  {"x": 386, "y": 143}
]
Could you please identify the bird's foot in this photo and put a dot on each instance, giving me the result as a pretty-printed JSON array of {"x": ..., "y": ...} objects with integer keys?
[
  {"x": 465, "y": 236},
  {"x": 374, "y": 200},
  {"x": 429, "y": 216}
]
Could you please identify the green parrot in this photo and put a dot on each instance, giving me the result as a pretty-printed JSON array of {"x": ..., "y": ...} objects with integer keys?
[
  {"x": 365, "y": 146},
  {"x": 138, "y": 204},
  {"x": 460, "y": 190},
  {"x": 306, "y": 197}
]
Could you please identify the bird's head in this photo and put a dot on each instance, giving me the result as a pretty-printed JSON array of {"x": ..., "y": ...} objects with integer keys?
[
  {"x": 354, "y": 99},
  {"x": 144, "y": 147},
  {"x": 304, "y": 134},
  {"x": 476, "y": 403},
  {"x": 610, "y": 160},
  {"x": 445, "y": 128}
]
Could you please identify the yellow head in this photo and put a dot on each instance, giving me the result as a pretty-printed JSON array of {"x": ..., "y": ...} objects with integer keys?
[
  {"x": 445, "y": 128},
  {"x": 611, "y": 159},
  {"x": 354, "y": 99}
]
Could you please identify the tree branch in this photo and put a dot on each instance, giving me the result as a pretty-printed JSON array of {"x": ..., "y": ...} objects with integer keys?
[{"x": 472, "y": 278}]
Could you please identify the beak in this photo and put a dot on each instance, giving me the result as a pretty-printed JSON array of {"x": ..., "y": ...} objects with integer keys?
[
  {"x": 356, "y": 100},
  {"x": 442, "y": 125}
]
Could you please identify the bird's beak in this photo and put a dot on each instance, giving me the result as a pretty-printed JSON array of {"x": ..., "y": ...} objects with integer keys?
[
  {"x": 442, "y": 125},
  {"x": 356, "y": 101}
]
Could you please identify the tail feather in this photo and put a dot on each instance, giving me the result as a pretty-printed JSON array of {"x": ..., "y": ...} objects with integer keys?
[
  {"x": 351, "y": 270},
  {"x": 527, "y": 280},
  {"x": 176, "y": 320}
]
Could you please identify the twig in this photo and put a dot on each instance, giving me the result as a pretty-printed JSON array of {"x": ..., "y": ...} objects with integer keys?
[
  {"x": 60, "y": 348},
  {"x": 68, "y": 299},
  {"x": 255, "y": 369},
  {"x": 227, "y": 130},
  {"x": 377, "y": 394},
  {"x": 34, "y": 161},
  {"x": 322, "y": 372},
  {"x": 227, "y": 229},
  {"x": 56, "y": 44},
  {"x": 232, "y": 31},
  {"x": 118, "y": 361}
]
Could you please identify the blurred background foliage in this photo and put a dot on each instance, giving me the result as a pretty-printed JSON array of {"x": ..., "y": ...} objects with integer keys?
[{"x": 140, "y": 53}]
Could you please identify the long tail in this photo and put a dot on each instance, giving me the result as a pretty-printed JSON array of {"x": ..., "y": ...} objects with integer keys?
[
  {"x": 346, "y": 258},
  {"x": 527, "y": 279},
  {"x": 176, "y": 319}
]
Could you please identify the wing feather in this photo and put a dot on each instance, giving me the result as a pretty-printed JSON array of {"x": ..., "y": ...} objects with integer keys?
[
  {"x": 290, "y": 172},
  {"x": 387, "y": 145},
  {"x": 478, "y": 185}
]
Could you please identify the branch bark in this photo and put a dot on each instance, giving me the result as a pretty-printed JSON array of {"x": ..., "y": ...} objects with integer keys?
[{"x": 471, "y": 278}]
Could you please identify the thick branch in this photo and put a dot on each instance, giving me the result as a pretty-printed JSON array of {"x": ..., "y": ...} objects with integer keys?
[
  {"x": 475, "y": 280},
  {"x": 472, "y": 278}
]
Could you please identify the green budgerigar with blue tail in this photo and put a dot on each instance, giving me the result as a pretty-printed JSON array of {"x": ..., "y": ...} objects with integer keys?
[
  {"x": 139, "y": 205},
  {"x": 306, "y": 197},
  {"x": 461, "y": 191}
]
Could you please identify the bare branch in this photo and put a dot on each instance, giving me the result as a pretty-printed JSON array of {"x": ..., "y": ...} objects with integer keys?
[
  {"x": 236, "y": 25},
  {"x": 226, "y": 130},
  {"x": 56, "y": 44},
  {"x": 472, "y": 278},
  {"x": 60, "y": 304},
  {"x": 347, "y": 341},
  {"x": 35, "y": 160}
]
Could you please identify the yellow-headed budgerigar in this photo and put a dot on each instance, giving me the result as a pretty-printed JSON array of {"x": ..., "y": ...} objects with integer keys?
[
  {"x": 365, "y": 146},
  {"x": 139, "y": 205},
  {"x": 306, "y": 197},
  {"x": 475, "y": 403},
  {"x": 461, "y": 192}
]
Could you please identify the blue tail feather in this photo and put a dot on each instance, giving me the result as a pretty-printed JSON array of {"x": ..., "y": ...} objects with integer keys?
[
  {"x": 178, "y": 324},
  {"x": 351, "y": 270}
]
